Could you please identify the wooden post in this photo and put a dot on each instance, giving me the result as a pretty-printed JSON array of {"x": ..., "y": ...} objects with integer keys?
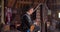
[
  {"x": 2, "y": 12},
  {"x": 43, "y": 15}
]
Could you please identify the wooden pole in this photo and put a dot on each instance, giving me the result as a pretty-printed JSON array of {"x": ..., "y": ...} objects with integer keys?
[{"x": 2, "y": 16}]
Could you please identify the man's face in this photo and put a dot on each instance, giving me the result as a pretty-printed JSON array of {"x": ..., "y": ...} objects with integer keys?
[{"x": 31, "y": 11}]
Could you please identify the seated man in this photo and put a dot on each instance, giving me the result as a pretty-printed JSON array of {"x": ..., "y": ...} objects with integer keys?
[{"x": 13, "y": 29}]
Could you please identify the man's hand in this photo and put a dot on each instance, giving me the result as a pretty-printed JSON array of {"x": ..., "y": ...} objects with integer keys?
[{"x": 32, "y": 28}]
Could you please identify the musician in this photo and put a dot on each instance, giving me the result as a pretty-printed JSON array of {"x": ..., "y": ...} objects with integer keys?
[{"x": 26, "y": 20}]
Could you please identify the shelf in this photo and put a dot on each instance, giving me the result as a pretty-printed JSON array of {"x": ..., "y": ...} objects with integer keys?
[
  {"x": 0, "y": 6},
  {"x": 0, "y": 14}
]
